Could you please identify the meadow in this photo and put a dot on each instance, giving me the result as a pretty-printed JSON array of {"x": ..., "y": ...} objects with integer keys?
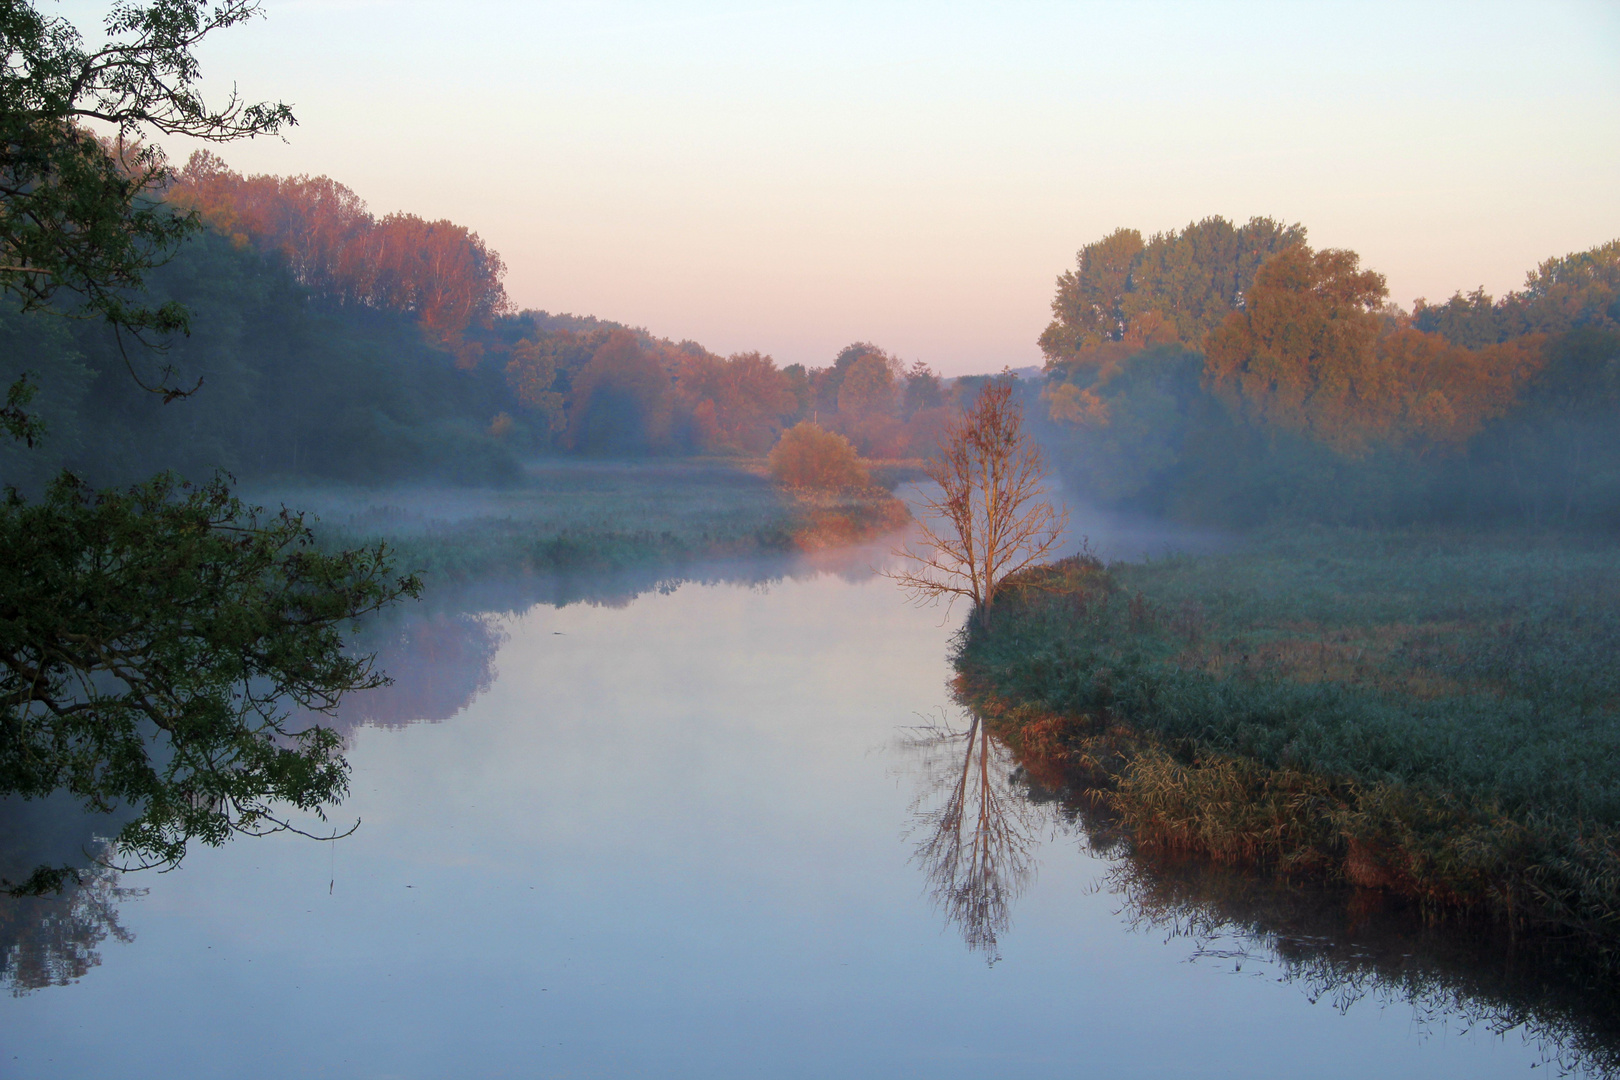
[
  {"x": 592, "y": 515},
  {"x": 1432, "y": 714}
]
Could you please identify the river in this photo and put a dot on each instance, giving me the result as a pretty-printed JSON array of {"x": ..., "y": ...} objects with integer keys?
[{"x": 697, "y": 830}]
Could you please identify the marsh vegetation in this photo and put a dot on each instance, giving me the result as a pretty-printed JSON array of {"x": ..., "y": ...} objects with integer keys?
[{"x": 1428, "y": 713}]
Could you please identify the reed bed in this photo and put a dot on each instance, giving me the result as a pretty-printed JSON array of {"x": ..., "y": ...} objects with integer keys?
[{"x": 1433, "y": 715}]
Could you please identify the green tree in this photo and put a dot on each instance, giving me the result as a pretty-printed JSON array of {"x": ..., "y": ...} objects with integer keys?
[
  {"x": 176, "y": 615},
  {"x": 1089, "y": 307},
  {"x": 79, "y": 215},
  {"x": 924, "y": 390},
  {"x": 153, "y": 643},
  {"x": 1575, "y": 291}
]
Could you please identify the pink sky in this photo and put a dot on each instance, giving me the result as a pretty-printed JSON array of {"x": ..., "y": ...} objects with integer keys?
[{"x": 792, "y": 178}]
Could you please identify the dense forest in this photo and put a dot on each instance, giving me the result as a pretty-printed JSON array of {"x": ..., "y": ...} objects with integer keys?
[
  {"x": 1231, "y": 374},
  {"x": 326, "y": 342}
]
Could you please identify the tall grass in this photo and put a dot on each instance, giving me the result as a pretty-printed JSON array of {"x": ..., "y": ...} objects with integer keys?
[{"x": 1434, "y": 714}]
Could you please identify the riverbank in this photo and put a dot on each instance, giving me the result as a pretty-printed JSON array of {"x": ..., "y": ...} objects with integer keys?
[
  {"x": 1433, "y": 716},
  {"x": 599, "y": 516}
]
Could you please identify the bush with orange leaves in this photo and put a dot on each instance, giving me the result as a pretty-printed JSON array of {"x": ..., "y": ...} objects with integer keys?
[{"x": 808, "y": 456}]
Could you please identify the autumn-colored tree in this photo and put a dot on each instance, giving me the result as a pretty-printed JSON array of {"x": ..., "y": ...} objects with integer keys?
[
  {"x": 1312, "y": 352},
  {"x": 1194, "y": 278},
  {"x": 439, "y": 272},
  {"x": 990, "y": 517},
  {"x": 1302, "y": 354},
  {"x": 739, "y": 403},
  {"x": 868, "y": 401},
  {"x": 320, "y": 229},
  {"x": 1437, "y": 394},
  {"x": 622, "y": 400},
  {"x": 1125, "y": 295},
  {"x": 809, "y": 456}
]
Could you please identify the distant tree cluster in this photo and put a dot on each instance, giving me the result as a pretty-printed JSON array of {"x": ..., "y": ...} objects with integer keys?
[
  {"x": 1578, "y": 291},
  {"x": 1126, "y": 294},
  {"x": 439, "y": 272},
  {"x": 329, "y": 342},
  {"x": 1233, "y": 373},
  {"x": 603, "y": 389}
]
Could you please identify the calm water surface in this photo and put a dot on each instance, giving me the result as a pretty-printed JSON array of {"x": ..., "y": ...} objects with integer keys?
[{"x": 692, "y": 834}]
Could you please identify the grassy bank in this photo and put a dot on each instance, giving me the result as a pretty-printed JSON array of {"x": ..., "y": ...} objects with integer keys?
[
  {"x": 569, "y": 516},
  {"x": 1433, "y": 715}
]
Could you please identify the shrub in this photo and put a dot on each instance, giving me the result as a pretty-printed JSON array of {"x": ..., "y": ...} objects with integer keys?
[{"x": 807, "y": 456}]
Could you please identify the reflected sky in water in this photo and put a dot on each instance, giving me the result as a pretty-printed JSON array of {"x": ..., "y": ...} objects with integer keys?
[{"x": 674, "y": 838}]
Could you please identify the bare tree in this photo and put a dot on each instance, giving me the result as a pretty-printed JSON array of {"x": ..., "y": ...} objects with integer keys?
[{"x": 990, "y": 517}]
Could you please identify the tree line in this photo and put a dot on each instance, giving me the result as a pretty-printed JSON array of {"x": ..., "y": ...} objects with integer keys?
[
  {"x": 1231, "y": 373},
  {"x": 324, "y": 341}
]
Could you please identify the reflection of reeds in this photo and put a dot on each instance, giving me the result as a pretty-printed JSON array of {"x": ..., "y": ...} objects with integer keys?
[
  {"x": 979, "y": 810},
  {"x": 1347, "y": 946},
  {"x": 977, "y": 832}
]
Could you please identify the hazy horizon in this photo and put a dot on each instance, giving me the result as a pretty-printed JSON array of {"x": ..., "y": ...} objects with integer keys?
[{"x": 791, "y": 179}]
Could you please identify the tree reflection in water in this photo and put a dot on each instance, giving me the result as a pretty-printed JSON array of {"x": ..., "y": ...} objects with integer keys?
[
  {"x": 980, "y": 815},
  {"x": 439, "y": 663},
  {"x": 53, "y": 939},
  {"x": 977, "y": 831}
]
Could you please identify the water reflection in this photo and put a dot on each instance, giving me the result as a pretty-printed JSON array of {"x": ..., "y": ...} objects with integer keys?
[
  {"x": 1351, "y": 947},
  {"x": 978, "y": 832},
  {"x": 54, "y": 939},
  {"x": 980, "y": 813},
  {"x": 440, "y": 662},
  {"x": 440, "y": 653}
]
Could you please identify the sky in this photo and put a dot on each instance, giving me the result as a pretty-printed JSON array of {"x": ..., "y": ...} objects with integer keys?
[{"x": 792, "y": 178}]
